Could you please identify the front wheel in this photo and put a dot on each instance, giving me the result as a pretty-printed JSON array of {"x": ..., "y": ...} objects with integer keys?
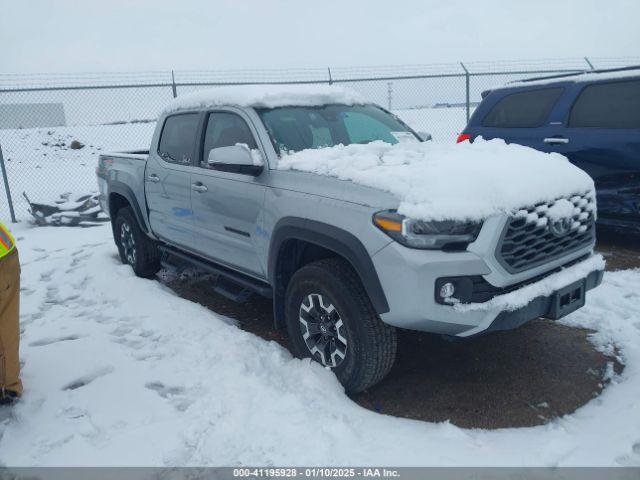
[
  {"x": 134, "y": 246},
  {"x": 331, "y": 320}
]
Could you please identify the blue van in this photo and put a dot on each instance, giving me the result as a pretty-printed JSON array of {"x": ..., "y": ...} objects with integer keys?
[{"x": 592, "y": 118}]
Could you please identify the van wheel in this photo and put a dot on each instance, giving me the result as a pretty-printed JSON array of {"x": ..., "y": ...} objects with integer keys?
[
  {"x": 134, "y": 247},
  {"x": 331, "y": 320}
]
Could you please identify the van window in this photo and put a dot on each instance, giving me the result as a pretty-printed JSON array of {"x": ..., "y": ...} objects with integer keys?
[
  {"x": 225, "y": 130},
  {"x": 178, "y": 138},
  {"x": 608, "y": 105},
  {"x": 523, "y": 110}
]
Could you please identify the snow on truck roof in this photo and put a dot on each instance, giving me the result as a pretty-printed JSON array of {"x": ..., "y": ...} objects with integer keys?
[{"x": 266, "y": 96}]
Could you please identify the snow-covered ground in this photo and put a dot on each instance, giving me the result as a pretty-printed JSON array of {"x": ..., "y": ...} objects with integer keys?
[
  {"x": 121, "y": 371},
  {"x": 40, "y": 162},
  {"x": 444, "y": 124}
]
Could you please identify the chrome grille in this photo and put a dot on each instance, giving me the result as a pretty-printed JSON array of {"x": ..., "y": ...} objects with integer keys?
[{"x": 528, "y": 239}]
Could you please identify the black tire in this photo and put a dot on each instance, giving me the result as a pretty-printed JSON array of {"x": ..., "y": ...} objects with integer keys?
[
  {"x": 134, "y": 246},
  {"x": 370, "y": 348}
]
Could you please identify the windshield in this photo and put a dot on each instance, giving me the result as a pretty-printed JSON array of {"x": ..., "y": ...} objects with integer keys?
[{"x": 293, "y": 129}]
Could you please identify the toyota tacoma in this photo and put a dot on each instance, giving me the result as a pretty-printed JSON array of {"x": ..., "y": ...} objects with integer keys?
[{"x": 351, "y": 221}]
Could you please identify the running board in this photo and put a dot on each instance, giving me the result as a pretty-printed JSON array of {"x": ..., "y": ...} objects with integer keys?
[
  {"x": 231, "y": 290},
  {"x": 231, "y": 284}
]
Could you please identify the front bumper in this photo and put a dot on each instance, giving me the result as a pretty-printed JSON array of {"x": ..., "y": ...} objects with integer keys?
[
  {"x": 409, "y": 276},
  {"x": 538, "y": 307}
]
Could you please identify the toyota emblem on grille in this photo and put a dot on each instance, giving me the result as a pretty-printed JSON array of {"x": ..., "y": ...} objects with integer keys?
[{"x": 561, "y": 227}]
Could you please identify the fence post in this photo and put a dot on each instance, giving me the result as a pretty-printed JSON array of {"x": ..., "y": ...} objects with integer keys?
[
  {"x": 6, "y": 187},
  {"x": 330, "y": 79},
  {"x": 589, "y": 63},
  {"x": 174, "y": 90},
  {"x": 468, "y": 100}
]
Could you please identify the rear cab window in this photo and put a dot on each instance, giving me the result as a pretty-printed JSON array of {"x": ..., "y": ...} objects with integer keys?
[
  {"x": 178, "y": 138},
  {"x": 527, "y": 109},
  {"x": 614, "y": 105}
]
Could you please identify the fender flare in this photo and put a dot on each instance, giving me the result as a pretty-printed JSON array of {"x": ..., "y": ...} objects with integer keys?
[
  {"x": 332, "y": 238},
  {"x": 125, "y": 190}
]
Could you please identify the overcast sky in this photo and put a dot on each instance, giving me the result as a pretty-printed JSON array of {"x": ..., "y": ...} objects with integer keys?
[{"x": 141, "y": 35}]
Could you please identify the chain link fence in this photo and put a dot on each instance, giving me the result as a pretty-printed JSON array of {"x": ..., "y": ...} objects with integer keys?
[{"x": 54, "y": 126}]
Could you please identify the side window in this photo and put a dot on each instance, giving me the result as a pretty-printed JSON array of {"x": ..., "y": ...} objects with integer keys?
[
  {"x": 362, "y": 128},
  {"x": 523, "y": 110},
  {"x": 178, "y": 138},
  {"x": 607, "y": 105},
  {"x": 225, "y": 130}
]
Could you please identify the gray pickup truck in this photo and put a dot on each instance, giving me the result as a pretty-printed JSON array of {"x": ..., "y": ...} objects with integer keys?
[{"x": 343, "y": 268}]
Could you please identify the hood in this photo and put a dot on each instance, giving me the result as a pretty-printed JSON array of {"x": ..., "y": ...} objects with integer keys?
[
  {"x": 437, "y": 181},
  {"x": 334, "y": 188}
]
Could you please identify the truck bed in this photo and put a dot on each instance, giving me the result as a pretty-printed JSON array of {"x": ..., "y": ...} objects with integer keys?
[{"x": 122, "y": 171}]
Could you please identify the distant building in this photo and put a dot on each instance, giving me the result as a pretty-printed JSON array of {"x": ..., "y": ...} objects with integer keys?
[{"x": 31, "y": 115}]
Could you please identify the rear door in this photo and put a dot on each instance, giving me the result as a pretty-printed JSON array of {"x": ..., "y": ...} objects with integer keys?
[
  {"x": 602, "y": 137},
  {"x": 227, "y": 206},
  {"x": 168, "y": 180},
  {"x": 520, "y": 117}
]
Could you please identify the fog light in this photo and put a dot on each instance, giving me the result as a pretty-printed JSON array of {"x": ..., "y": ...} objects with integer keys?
[{"x": 447, "y": 290}]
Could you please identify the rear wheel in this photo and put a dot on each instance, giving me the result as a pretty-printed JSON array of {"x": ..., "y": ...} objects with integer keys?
[
  {"x": 134, "y": 246},
  {"x": 331, "y": 320}
]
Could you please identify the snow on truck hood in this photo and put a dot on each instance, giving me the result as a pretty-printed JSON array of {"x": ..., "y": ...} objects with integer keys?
[
  {"x": 436, "y": 181},
  {"x": 266, "y": 96}
]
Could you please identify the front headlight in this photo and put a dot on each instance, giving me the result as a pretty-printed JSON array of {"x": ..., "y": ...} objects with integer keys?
[{"x": 433, "y": 235}]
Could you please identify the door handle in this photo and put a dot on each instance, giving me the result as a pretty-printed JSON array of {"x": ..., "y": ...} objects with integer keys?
[
  {"x": 199, "y": 187},
  {"x": 153, "y": 178},
  {"x": 556, "y": 140}
]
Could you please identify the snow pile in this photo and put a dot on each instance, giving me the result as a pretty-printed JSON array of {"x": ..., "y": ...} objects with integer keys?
[
  {"x": 266, "y": 96},
  {"x": 436, "y": 181},
  {"x": 69, "y": 209},
  {"x": 121, "y": 371}
]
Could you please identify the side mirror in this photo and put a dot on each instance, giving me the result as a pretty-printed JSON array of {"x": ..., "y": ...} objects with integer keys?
[
  {"x": 424, "y": 136},
  {"x": 235, "y": 159}
]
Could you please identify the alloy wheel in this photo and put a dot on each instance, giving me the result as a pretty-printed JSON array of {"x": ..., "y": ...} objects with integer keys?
[
  {"x": 322, "y": 329},
  {"x": 128, "y": 243}
]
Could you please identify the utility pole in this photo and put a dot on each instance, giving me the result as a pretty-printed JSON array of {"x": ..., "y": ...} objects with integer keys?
[
  {"x": 174, "y": 90},
  {"x": 467, "y": 91}
]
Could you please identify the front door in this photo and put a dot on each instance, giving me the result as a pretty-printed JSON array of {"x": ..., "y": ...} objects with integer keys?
[
  {"x": 168, "y": 180},
  {"x": 226, "y": 206}
]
